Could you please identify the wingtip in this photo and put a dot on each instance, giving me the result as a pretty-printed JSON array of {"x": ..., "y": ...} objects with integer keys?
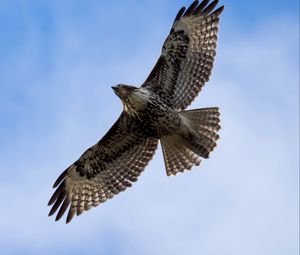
[
  {"x": 69, "y": 217},
  {"x": 179, "y": 14},
  {"x": 60, "y": 178},
  {"x": 201, "y": 6},
  {"x": 58, "y": 217},
  {"x": 207, "y": 10},
  {"x": 51, "y": 212},
  {"x": 191, "y": 8},
  {"x": 219, "y": 10},
  {"x": 71, "y": 214},
  {"x": 57, "y": 193}
]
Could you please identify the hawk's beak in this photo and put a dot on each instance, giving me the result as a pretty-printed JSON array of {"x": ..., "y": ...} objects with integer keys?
[{"x": 115, "y": 89}]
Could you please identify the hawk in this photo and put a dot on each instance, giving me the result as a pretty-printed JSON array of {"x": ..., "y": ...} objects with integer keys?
[{"x": 152, "y": 112}]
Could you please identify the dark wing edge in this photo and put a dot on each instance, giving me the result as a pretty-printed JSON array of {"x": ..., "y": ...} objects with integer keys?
[
  {"x": 80, "y": 187},
  {"x": 187, "y": 54}
]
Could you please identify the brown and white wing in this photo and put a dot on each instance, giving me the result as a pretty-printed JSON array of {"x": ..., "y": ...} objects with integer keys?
[
  {"x": 104, "y": 170},
  {"x": 187, "y": 55}
]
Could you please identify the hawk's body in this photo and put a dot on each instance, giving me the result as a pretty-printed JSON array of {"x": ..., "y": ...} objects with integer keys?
[{"x": 151, "y": 112}]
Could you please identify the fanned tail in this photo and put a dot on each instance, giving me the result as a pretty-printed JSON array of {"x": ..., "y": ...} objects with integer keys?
[{"x": 198, "y": 138}]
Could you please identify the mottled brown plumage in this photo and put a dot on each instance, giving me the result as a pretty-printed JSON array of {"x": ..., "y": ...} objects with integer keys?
[
  {"x": 187, "y": 55},
  {"x": 104, "y": 170},
  {"x": 151, "y": 112}
]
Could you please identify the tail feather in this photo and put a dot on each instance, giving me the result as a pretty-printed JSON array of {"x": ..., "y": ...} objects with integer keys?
[
  {"x": 205, "y": 117},
  {"x": 185, "y": 158},
  {"x": 178, "y": 158},
  {"x": 183, "y": 150},
  {"x": 210, "y": 133},
  {"x": 169, "y": 157}
]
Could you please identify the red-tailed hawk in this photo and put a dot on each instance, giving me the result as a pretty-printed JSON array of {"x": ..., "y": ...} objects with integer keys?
[{"x": 154, "y": 111}]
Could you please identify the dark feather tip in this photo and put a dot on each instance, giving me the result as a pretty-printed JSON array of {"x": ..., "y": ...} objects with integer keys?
[
  {"x": 201, "y": 6},
  {"x": 56, "y": 193},
  {"x": 57, "y": 203},
  {"x": 210, "y": 7},
  {"x": 63, "y": 209},
  {"x": 191, "y": 9},
  {"x": 179, "y": 14},
  {"x": 71, "y": 214},
  {"x": 218, "y": 11},
  {"x": 60, "y": 178}
]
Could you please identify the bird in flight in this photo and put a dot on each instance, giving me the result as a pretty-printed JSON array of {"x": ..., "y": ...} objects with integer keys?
[{"x": 152, "y": 112}]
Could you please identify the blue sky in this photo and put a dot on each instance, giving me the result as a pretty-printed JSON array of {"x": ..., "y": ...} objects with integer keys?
[{"x": 58, "y": 62}]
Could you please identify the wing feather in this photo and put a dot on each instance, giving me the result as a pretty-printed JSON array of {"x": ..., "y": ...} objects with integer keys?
[
  {"x": 210, "y": 7},
  {"x": 187, "y": 55},
  {"x": 191, "y": 9},
  {"x": 104, "y": 170}
]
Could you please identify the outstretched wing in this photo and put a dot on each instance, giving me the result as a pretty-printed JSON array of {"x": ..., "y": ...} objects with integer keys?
[
  {"x": 105, "y": 169},
  {"x": 187, "y": 55}
]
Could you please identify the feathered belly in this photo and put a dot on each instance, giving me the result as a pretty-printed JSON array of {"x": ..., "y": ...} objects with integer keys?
[{"x": 160, "y": 120}]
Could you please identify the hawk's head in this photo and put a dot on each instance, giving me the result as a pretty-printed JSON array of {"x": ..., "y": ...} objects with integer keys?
[{"x": 133, "y": 98}]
